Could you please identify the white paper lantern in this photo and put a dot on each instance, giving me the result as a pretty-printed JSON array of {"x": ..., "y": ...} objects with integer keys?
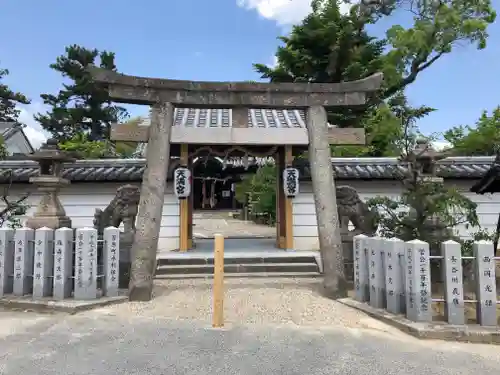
[
  {"x": 182, "y": 182},
  {"x": 291, "y": 182}
]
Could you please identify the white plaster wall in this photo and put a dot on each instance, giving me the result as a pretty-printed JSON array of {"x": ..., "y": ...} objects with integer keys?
[
  {"x": 80, "y": 201},
  {"x": 305, "y": 231}
]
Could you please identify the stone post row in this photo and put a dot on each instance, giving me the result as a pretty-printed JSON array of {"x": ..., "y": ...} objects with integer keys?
[
  {"x": 40, "y": 262},
  {"x": 395, "y": 275}
]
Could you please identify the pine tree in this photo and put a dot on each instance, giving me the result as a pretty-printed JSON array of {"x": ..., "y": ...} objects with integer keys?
[
  {"x": 9, "y": 100},
  {"x": 82, "y": 106}
]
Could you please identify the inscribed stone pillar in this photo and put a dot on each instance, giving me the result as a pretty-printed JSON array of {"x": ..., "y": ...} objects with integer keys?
[
  {"x": 453, "y": 281},
  {"x": 360, "y": 258},
  {"x": 6, "y": 260},
  {"x": 486, "y": 293},
  {"x": 63, "y": 263},
  {"x": 394, "y": 283},
  {"x": 323, "y": 184},
  {"x": 44, "y": 262},
  {"x": 418, "y": 283}
]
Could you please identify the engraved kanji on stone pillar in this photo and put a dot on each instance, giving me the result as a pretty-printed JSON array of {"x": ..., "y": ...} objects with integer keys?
[
  {"x": 43, "y": 262},
  {"x": 6, "y": 260},
  {"x": 394, "y": 275},
  {"x": 86, "y": 264},
  {"x": 63, "y": 263},
  {"x": 361, "y": 281},
  {"x": 418, "y": 284},
  {"x": 111, "y": 260},
  {"x": 453, "y": 279},
  {"x": 376, "y": 270},
  {"x": 486, "y": 293},
  {"x": 23, "y": 262}
]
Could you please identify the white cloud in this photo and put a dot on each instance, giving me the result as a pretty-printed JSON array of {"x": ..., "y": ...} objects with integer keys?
[
  {"x": 36, "y": 135},
  {"x": 274, "y": 62},
  {"x": 284, "y": 12},
  {"x": 440, "y": 145}
]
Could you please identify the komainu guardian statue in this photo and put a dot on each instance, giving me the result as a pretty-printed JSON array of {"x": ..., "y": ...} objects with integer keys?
[
  {"x": 351, "y": 209},
  {"x": 122, "y": 209}
]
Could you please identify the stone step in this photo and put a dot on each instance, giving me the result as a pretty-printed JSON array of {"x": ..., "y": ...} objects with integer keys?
[
  {"x": 193, "y": 261},
  {"x": 268, "y": 275},
  {"x": 267, "y": 262},
  {"x": 283, "y": 268}
]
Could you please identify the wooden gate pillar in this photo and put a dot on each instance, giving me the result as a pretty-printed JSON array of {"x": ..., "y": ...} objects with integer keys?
[
  {"x": 190, "y": 206},
  {"x": 284, "y": 205},
  {"x": 280, "y": 200}
]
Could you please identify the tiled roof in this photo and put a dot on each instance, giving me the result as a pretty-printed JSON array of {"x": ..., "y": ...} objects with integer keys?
[
  {"x": 345, "y": 168},
  {"x": 9, "y": 129},
  {"x": 216, "y": 118}
]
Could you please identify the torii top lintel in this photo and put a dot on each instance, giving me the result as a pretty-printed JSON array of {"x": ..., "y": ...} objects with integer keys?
[{"x": 197, "y": 94}]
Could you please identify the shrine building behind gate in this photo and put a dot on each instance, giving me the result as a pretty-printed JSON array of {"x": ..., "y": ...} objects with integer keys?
[{"x": 219, "y": 137}]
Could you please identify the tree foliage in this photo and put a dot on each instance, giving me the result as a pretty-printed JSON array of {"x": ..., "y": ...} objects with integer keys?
[
  {"x": 82, "y": 147},
  {"x": 258, "y": 191},
  {"x": 9, "y": 100},
  {"x": 426, "y": 209},
  {"x": 12, "y": 207},
  {"x": 82, "y": 106},
  {"x": 329, "y": 46},
  {"x": 481, "y": 139}
]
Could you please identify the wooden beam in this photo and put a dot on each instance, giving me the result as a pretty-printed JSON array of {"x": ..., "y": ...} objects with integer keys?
[
  {"x": 280, "y": 200},
  {"x": 218, "y": 287},
  {"x": 254, "y": 136},
  {"x": 191, "y": 206}
]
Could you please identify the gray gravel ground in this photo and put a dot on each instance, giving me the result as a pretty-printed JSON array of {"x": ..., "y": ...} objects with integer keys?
[{"x": 270, "y": 334}]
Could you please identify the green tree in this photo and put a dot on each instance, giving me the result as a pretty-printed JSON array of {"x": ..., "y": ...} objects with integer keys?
[
  {"x": 259, "y": 192},
  {"x": 426, "y": 209},
  {"x": 481, "y": 139},
  {"x": 12, "y": 208},
  {"x": 9, "y": 100},
  {"x": 82, "y": 106},
  {"x": 332, "y": 47}
]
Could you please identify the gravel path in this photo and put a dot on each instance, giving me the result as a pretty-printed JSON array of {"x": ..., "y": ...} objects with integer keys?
[
  {"x": 275, "y": 326},
  {"x": 208, "y": 224},
  {"x": 249, "y": 301}
]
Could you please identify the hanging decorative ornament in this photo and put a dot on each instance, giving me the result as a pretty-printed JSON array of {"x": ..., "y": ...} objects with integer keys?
[
  {"x": 224, "y": 162},
  {"x": 204, "y": 194},
  {"x": 213, "y": 201},
  {"x": 182, "y": 182},
  {"x": 246, "y": 162},
  {"x": 291, "y": 182}
]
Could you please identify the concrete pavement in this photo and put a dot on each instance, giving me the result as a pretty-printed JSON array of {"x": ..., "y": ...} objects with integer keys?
[{"x": 100, "y": 342}]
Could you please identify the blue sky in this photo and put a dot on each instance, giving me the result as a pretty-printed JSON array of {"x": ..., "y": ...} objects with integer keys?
[{"x": 209, "y": 40}]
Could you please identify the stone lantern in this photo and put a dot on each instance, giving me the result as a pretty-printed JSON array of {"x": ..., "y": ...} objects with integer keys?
[
  {"x": 425, "y": 158},
  {"x": 50, "y": 212}
]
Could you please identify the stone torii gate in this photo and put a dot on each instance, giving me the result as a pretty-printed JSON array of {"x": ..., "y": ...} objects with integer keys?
[{"x": 165, "y": 94}]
